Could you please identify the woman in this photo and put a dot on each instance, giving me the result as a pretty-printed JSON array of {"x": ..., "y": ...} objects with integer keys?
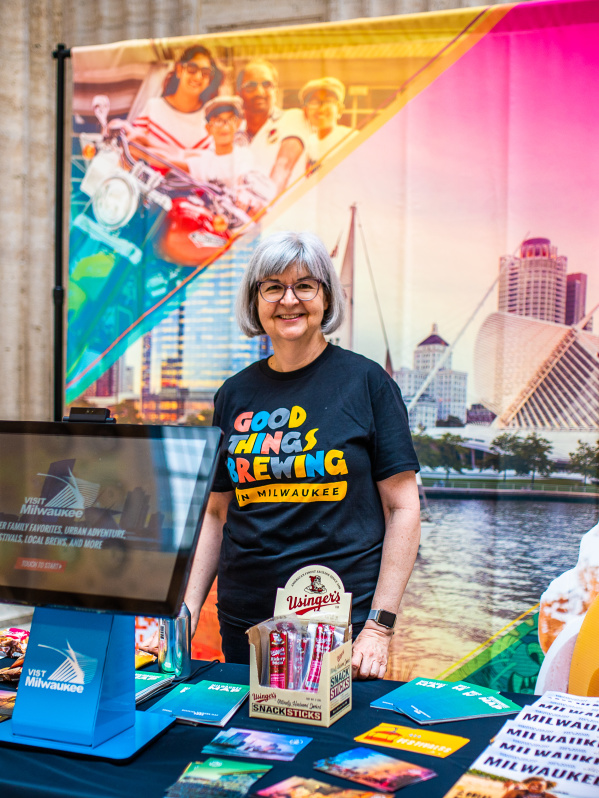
[
  {"x": 318, "y": 464},
  {"x": 174, "y": 124}
]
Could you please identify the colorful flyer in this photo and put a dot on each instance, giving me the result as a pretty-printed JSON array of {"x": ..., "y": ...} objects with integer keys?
[
  {"x": 299, "y": 787},
  {"x": 405, "y": 738},
  {"x": 218, "y": 778},
  {"x": 374, "y": 769},
  {"x": 256, "y": 744}
]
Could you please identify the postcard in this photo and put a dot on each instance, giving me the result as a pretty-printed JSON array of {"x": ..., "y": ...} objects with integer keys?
[
  {"x": 299, "y": 787},
  {"x": 256, "y": 744},
  {"x": 217, "y": 778},
  {"x": 374, "y": 769},
  {"x": 406, "y": 738},
  {"x": 7, "y": 702}
]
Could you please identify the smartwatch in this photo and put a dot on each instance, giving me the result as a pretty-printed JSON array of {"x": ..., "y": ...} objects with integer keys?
[{"x": 383, "y": 618}]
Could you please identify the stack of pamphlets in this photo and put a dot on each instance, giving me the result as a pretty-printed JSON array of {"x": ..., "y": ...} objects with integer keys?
[
  {"x": 550, "y": 750},
  {"x": 217, "y": 778},
  {"x": 146, "y": 684},
  {"x": 429, "y": 701},
  {"x": 209, "y": 703}
]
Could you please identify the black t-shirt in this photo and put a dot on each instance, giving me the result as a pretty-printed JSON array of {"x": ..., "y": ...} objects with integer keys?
[{"x": 303, "y": 451}]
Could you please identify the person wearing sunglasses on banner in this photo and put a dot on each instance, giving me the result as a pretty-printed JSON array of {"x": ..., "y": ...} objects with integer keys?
[
  {"x": 322, "y": 101},
  {"x": 175, "y": 124},
  {"x": 317, "y": 464},
  {"x": 277, "y": 138}
]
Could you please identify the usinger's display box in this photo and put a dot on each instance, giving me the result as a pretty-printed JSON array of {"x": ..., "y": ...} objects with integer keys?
[{"x": 300, "y": 659}]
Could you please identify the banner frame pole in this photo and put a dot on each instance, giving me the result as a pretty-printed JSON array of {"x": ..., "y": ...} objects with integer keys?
[{"x": 60, "y": 54}]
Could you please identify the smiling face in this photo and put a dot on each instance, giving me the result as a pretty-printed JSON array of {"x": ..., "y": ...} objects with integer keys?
[
  {"x": 195, "y": 75},
  {"x": 290, "y": 320},
  {"x": 323, "y": 109},
  {"x": 258, "y": 89},
  {"x": 222, "y": 127}
]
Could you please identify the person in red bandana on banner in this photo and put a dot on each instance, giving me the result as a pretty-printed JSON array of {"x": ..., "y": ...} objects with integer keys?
[
  {"x": 317, "y": 464},
  {"x": 174, "y": 125}
]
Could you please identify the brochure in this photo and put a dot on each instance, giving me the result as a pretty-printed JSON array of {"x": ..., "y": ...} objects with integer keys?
[
  {"x": 421, "y": 685},
  {"x": 256, "y": 744},
  {"x": 405, "y": 738},
  {"x": 299, "y": 787},
  {"x": 146, "y": 684},
  {"x": 428, "y": 701},
  {"x": 217, "y": 778},
  {"x": 208, "y": 703},
  {"x": 550, "y": 750},
  {"x": 374, "y": 769}
]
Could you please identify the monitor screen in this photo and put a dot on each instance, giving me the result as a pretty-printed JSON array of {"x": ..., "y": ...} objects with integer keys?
[{"x": 101, "y": 516}]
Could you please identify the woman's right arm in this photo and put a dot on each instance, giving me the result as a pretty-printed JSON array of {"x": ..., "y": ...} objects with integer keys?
[{"x": 205, "y": 562}]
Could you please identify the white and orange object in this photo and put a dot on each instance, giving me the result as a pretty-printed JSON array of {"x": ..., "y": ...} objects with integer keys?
[{"x": 584, "y": 667}]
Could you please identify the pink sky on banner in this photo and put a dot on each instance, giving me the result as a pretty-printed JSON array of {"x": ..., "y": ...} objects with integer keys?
[{"x": 501, "y": 146}]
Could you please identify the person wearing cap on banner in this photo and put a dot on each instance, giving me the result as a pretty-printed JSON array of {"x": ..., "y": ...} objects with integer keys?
[
  {"x": 322, "y": 101},
  {"x": 175, "y": 123},
  {"x": 277, "y": 138},
  {"x": 226, "y": 163}
]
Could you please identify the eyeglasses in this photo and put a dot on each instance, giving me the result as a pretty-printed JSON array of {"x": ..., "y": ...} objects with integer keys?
[
  {"x": 252, "y": 86},
  {"x": 193, "y": 69},
  {"x": 222, "y": 121},
  {"x": 316, "y": 103},
  {"x": 304, "y": 290}
]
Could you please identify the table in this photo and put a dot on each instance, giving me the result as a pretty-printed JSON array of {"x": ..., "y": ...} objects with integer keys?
[{"x": 31, "y": 773}]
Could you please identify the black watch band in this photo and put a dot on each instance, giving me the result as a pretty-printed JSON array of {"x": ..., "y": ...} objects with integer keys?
[{"x": 383, "y": 618}]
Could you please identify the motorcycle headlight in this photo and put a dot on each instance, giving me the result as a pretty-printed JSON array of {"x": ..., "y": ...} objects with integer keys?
[{"x": 115, "y": 201}]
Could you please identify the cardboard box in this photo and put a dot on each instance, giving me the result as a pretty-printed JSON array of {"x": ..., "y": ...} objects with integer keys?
[{"x": 314, "y": 593}]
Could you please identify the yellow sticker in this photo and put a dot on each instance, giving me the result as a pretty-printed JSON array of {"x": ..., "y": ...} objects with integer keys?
[
  {"x": 407, "y": 739},
  {"x": 294, "y": 492}
]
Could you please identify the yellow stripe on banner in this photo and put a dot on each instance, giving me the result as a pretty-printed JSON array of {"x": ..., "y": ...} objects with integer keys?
[
  {"x": 379, "y": 37},
  {"x": 295, "y": 492},
  {"x": 446, "y": 53}
]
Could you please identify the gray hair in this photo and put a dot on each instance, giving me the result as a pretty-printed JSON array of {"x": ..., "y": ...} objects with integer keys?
[{"x": 272, "y": 257}]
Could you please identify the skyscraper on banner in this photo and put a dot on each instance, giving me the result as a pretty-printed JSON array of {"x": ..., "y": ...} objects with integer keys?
[
  {"x": 445, "y": 396},
  {"x": 197, "y": 347},
  {"x": 536, "y": 363},
  {"x": 533, "y": 284}
]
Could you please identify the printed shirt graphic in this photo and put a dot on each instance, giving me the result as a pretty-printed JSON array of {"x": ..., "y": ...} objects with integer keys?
[{"x": 303, "y": 452}]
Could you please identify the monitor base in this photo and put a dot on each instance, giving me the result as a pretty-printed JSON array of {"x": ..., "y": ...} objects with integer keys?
[{"x": 148, "y": 725}]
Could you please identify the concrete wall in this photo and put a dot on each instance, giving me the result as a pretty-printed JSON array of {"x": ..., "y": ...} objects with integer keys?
[{"x": 31, "y": 30}]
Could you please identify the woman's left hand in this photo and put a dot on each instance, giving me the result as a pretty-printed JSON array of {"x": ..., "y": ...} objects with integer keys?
[{"x": 370, "y": 653}]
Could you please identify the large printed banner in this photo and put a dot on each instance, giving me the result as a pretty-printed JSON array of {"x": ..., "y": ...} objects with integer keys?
[{"x": 449, "y": 162}]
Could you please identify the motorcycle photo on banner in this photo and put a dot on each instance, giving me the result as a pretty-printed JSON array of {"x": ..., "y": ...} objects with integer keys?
[{"x": 449, "y": 163}]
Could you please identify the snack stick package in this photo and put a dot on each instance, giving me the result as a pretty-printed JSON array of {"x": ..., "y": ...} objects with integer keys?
[
  {"x": 323, "y": 642},
  {"x": 277, "y": 658}
]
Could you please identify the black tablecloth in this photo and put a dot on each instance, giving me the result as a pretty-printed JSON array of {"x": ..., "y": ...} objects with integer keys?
[{"x": 31, "y": 773}]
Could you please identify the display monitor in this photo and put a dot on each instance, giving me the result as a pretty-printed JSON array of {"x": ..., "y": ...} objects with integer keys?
[{"x": 101, "y": 516}]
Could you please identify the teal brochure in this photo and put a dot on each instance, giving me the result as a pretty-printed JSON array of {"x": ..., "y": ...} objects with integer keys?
[
  {"x": 420, "y": 686},
  {"x": 438, "y": 702},
  {"x": 148, "y": 682},
  {"x": 209, "y": 703}
]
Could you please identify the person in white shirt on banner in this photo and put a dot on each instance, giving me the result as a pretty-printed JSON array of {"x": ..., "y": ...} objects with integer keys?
[
  {"x": 175, "y": 124},
  {"x": 227, "y": 164},
  {"x": 322, "y": 101},
  {"x": 277, "y": 138}
]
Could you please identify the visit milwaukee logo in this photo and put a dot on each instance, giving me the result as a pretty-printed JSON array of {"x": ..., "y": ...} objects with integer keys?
[
  {"x": 70, "y": 502},
  {"x": 300, "y": 605},
  {"x": 75, "y": 671}
]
